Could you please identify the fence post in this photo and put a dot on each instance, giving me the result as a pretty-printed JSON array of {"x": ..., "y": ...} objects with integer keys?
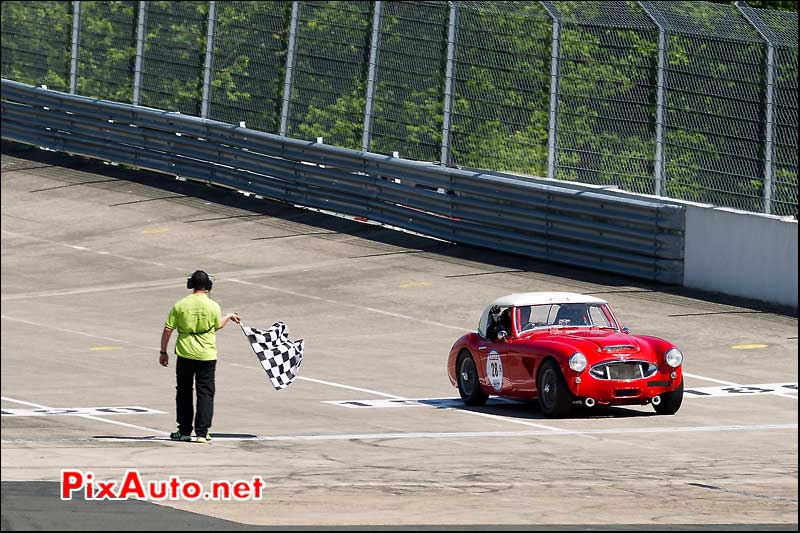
[
  {"x": 769, "y": 121},
  {"x": 449, "y": 83},
  {"x": 287, "y": 84},
  {"x": 76, "y": 32},
  {"x": 137, "y": 69},
  {"x": 552, "y": 134},
  {"x": 371, "y": 75},
  {"x": 212, "y": 25},
  {"x": 658, "y": 172}
]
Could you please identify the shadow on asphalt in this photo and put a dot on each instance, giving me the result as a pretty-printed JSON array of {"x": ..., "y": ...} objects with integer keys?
[
  {"x": 324, "y": 224},
  {"x": 529, "y": 410}
]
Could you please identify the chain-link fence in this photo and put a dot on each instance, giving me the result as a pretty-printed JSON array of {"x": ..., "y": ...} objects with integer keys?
[
  {"x": 502, "y": 85},
  {"x": 328, "y": 83},
  {"x": 174, "y": 46},
  {"x": 606, "y": 131},
  {"x": 36, "y": 42},
  {"x": 713, "y": 139},
  {"x": 410, "y": 79},
  {"x": 250, "y": 45},
  {"x": 107, "y": 50},
  {"x": 781, "y": 31},
  {"x": 691, "y": 100}
]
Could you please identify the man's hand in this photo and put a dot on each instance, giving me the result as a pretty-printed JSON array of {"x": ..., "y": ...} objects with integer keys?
[
  {"x": 164, "y": 359},
  {"x": 230, "y": 316}
]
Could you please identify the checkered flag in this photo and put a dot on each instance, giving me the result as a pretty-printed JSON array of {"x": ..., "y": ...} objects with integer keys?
[{"x": 279, "y": 356}]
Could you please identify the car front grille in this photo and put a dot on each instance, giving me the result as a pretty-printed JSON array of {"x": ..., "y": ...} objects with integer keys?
[{"x": 623, "y": 370}]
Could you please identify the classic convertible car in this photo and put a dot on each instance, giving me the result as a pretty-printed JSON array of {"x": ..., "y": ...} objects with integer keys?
[{"x": 565, "y": 349}]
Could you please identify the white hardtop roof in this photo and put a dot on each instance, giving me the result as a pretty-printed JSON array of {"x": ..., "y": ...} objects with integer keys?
[{"x": 541, "y": 298}]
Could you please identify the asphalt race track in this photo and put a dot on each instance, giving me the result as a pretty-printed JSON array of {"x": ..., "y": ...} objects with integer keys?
[{"x": 94, "y": 255}]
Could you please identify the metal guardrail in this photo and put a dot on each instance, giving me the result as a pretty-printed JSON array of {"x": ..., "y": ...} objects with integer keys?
[{"x": 640, "y": 238}]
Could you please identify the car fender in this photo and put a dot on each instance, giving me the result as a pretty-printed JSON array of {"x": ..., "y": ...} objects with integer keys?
[
  {"x": 658, "y": 348},
  {"x": 467, "y": 342}
]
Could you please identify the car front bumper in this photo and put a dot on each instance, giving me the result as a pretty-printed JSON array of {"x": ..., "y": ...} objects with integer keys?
[{"x": 624, "y": 392}]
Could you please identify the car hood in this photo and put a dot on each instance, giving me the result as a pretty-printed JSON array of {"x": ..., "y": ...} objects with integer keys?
[
  {"x": 607, "y": 341},
  {"x": 599, "y": 342}
]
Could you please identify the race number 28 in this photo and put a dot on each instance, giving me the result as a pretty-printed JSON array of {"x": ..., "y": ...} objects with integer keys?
[{"x": 494, "y": 370}]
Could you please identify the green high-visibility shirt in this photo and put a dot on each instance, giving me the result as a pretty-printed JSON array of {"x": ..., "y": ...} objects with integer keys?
[{"x": 197, "y": 318}]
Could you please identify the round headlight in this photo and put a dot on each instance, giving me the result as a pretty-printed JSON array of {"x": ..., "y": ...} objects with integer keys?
[
  {"x": 674, "y": 357},
  {"x": 577, "y": 362}
]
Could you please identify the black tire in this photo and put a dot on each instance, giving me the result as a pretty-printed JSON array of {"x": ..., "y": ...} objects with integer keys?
[
  {"x": 670, "y": 401},
  {"x": 469, "y": 386},
  {"x": 555, "y": 398}
]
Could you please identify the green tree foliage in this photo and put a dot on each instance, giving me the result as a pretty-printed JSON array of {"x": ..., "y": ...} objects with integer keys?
[
  {"x": 36, "y": 44},
  {"x": 714, "y": 116},
  {"x": 502, "y": 84},
  {"x": 606, "y": 132},
  {"x": 328, "y": 92},
  {"x": 250, "y": 46},
  {"x": 783, "y": 5},
  {"x": 715, "y": 83},
  {"x": 409, "y": 90},
  {"x": 174, "y": 53},
  {"x": 107, "y": 50}
]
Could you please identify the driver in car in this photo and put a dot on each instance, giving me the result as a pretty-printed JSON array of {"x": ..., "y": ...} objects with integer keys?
[
  {"x": 572, "y": 315},
  {"x": 498, "y": 321}
]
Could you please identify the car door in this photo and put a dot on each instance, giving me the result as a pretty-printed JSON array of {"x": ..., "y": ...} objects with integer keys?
[
  {"x": 522, "y": 356},
  {"x": 496, "y": 364}
]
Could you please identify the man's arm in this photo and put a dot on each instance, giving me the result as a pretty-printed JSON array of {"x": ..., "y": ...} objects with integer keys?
[
  {"x": 163, "y": 357},
  {"x": 230, "y": 316}
]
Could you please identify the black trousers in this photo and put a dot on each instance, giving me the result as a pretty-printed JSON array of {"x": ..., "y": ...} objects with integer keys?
[{"x": 202, "y": 373}]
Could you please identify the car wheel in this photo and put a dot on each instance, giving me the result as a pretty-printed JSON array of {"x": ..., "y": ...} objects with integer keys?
[
  {"x": 555, "y": 399},
  {"x": 670, "y": 401},
  {"x": 469, "y": 386}
]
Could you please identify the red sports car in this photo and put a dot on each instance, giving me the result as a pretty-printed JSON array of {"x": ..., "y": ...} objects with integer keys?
[{"x": 564, "y": 349}]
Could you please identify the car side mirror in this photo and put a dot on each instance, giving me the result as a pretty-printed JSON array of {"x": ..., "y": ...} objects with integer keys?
[
  {"x": 502, "y": 335},
  {"x": 626, "y": 330}
]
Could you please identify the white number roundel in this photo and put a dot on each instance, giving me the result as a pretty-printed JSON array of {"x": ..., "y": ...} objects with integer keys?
[{"x": 494, "y": 370}]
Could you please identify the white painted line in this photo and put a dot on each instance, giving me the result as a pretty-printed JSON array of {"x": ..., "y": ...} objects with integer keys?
[
  {"x": 123, "y": 424},
  {"x": 457, "y": 403},
  {"x": 454, "y": 435},
  {"x": 368, "y": 391},
  {"x": 329, "y": 383},
  {"x": 346, "y": 304},
  {"x": 85, "y": 249},
  {"x": 712, "y": 380},
  {"x": 415, "y": 402},
  {"x": 473, "y": 413},
  {"x": 74, "y": 332},
  {"x": 449, "y": 404},
  {"x": 150, "y": 285},
  {"x": 21, "y": 402},
  {"x": 479, "y": 434},
  {"x": 144, "y": 286},
  {"x": 88, "y": 417},
  {"x": 80, "y": 411},
  {"x": 732, "y": 384},
  {"x": 776, "y": 389}
]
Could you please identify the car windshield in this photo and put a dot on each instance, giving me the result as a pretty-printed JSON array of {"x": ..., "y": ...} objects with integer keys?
[{"x": 568, "y": 315}]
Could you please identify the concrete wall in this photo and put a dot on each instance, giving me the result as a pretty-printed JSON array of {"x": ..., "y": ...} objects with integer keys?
[{"x": 742, "y": 254}]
